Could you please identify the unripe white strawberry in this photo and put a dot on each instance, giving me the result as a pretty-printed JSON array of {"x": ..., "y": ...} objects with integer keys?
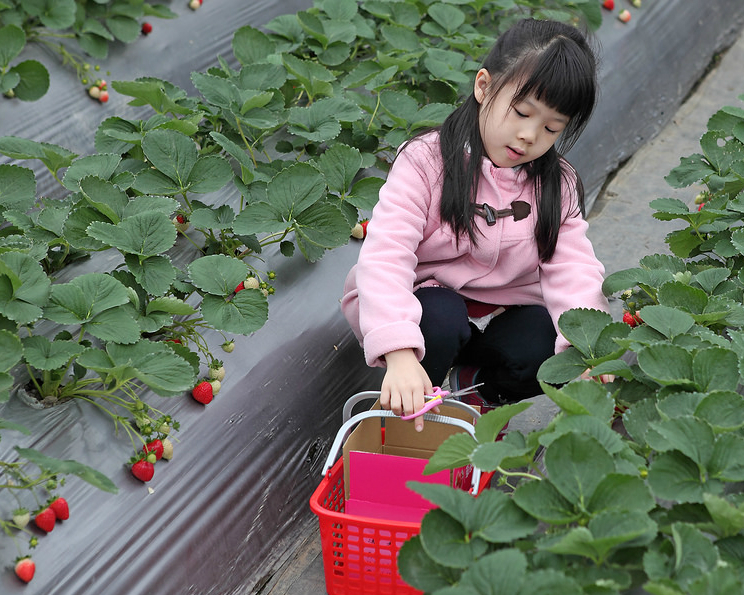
[
  {"x": 167, "y": 449},
  {"x": 251, "y": 283},
  {"x": 216, "y": 386},
  {"x": 217, "y": 372},
  {"x": 95, "y": 92}
]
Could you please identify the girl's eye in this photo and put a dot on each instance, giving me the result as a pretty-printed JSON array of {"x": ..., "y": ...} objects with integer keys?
[
  {"x": 551, "y": 131},
  {"x": 520, "y": 114}
]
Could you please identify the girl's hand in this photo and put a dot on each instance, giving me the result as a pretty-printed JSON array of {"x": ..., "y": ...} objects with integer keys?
[
  {"x": 404, "y": 385},
  {"x": 603, "y": 378}
]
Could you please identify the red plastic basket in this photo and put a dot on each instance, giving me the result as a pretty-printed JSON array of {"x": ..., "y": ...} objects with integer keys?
[{"x": 359, "y": 553}]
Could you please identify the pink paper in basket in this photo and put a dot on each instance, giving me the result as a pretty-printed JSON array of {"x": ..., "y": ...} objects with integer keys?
[{"x": 377, "y": 486}]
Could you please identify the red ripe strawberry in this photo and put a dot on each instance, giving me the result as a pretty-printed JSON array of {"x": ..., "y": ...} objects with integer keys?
[
  {"x": 240, "y": 287},
  {"x": 638, "y": 318},
  {"x": 45, "y": 519},
  {"x": 60, "y": 508},
  {"x": 629, "y": 319},
  {"x": 609, "y": 4},
  {"x": 146, "y": 28},
  {"x": 104, "y": 97},
  {"x": 203, "y": 392},
  {"x": 25, "y": 568},
  {"x": 143, "y": 470},
  {"x": 624, "y": 15},
  {"x": 155, "y": 446},
  {"x": 700, "y": 206},
  {"x": 364, "y": 226}
]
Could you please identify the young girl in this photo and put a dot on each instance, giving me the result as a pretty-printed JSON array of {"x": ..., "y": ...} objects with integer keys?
[{"x": 478, "y": 242}]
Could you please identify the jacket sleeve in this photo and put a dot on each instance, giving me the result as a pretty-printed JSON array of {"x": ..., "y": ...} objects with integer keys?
[
  {"x": 573, "y": 277},
  {"x": 389, "y": 313}
]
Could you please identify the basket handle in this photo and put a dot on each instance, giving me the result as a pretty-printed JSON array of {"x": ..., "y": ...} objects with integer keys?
[
  {"x": 345, "y": 430},
  {"x": 375, "y": 394}
]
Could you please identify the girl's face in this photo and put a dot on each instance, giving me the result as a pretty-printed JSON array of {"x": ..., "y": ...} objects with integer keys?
[{"x": 513, "y": 135}]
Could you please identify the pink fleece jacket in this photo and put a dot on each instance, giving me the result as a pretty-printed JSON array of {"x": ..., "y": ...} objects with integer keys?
[{"x": 407, "y": 246}]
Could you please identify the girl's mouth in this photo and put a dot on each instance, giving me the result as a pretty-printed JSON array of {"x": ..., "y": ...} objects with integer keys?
[{"x": 514, "y": 154}]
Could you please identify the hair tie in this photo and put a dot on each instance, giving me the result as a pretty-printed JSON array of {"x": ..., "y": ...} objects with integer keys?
[{"x": 519, "y": 210}]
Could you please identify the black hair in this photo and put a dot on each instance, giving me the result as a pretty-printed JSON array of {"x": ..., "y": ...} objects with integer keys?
[{"x": 554, "y": 63}]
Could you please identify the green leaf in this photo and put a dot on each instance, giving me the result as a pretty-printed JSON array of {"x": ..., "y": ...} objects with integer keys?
[
  {"x": 162, "y": 96},
  {"x": 576, "y": 464},
  {"x": 295, "y": 188},
  {"x": 365, "y": 192},
  {"x": 692, "y": 437},
  {"x": 503, "y": 571},
  {"x": 53, "y": 156},
  {"x": 85, "y": 297},
  {"x": 727, "y": 517},
  {"x": 446, "y": 541},
  {"x": 543, "y": 501},
  {"x": 582, "y": 398},
  {"x": 419, "y": 570},
  {"x": 340, "y": 165},
  {"x": 693, "y": 549},
  {"x": 17, "y": 187},
  {"x": 169, "y": 305},
  {"x": 43, "y": 354},
  {"x": 727, "y": 461},
  {"x": 690, "y": 170},
  {"x": 245, "y": 313},
  {"x": 218, "y": 274},
  {"x": 209, "y": 174},
  {"x": 319, "y": 227},
  {"x": 76, "y": 226},
  {"x": 259, "y": 217},
  {"x": 68, "y": 467},
  {"x": 208, "y": 218},
  {"x": 102, "y": 165},
  {"x": 34, "y": 80},
  {"x": 54, "y": 14},
  {"x": 667, "y": 364},
  {"x": 605, "y": 533},
  {"x": 172, "y": 153},
  {"x": 582, "y": 328},
  {"x": 315, "y": 78},
  {"x": 145, "y": 235},
  {"x": 670, "y": 322},
  {"x": 12, "y": 42},
  {"x": 715, "y": 368},
  {"x": 104, "y": 196},
  {"x": 562, "y": 367},
  {"x": 621, "y": 493},
  {"x": 11, "y": 350},
  {"x": 673, "y": 476},
  {"x": 723, "y": 410},
  {"x": 449, "y": 17},
  {"x": 155, "y": 274},
  {"x": 24, "y": 287}
]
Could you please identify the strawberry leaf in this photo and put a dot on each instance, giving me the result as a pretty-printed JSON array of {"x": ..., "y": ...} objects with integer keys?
[
  {"x": 24, "y": 288},
  {"x": 52, "y": 156},
  {"x": 209, "y": 174},
  {"x": 251, "y": 46},
  {"x": 245, "y": 313},
  {"x": 173, "y": 154},
  {"x": 33, "y": 82},
  {"x": 11, "y": 350},
  {"x": 102, "y": 165},
  {"x": 43, "y": 354},
  {"x": 104, "y": 196},
  {"x": 340, "y": 164},
  {"x": 213, "y": 218},
  {"x": 147, "y": 234},
  {"x": 217, "y": 274},
  {"x": 12, "y": 42},
  {"x": 17, "y": 187},
  {"x": 154, "y": 273},
  {"x": 68, "y": 467}
]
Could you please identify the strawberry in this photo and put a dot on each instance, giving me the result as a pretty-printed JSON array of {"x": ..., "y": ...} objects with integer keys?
[
  {"x": 629, "y": 319},
  {"x": 178, "y": 341},
  {"x": 167, "y": 449},
  {"x": 143, "y": 470},
  {"x": 216, "y": 386},
  {"x": 217, "y": 371},
  {"x": 357, "y": 231},
  {"x": 146, "y": 28},
  {"x": 182, "y": 224},
  {"x": 240, "y": 287},
  {"x": 95, "y": 92},
  {"x": 195, "y": 4},
  {"x": 636, "y": 3},
  {"x": 21, "y": 517},
  {"x": 25, "y": 568},
  {"x": 251, "y": 283},
  {"x": 638, "y": 318},
  {"x": 700, "y": 206},
  {"x": 364, "y": 224},
  {"x": 45, "y": 519},
  {"x": 624, "y": 15},
  {"x": 203, "y": 392},
  {"x": 609, "y": 4},
  {"x": 104, "y": 97},
  {"x": 60, "y": 508},
  {"x": 155, "y": 446},
  {"x": 228, "y": 346}
]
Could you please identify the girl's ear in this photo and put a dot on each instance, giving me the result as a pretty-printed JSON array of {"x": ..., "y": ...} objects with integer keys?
[{"x": 480, "y": 88}]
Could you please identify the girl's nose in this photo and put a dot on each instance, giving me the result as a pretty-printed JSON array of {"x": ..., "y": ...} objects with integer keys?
[{"x": 527, "y": 134}]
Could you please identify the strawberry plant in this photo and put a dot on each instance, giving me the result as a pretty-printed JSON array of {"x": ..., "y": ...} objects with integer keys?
[
  {"x": 71, "y": 29},
  {"x": 638, "y": 482}
]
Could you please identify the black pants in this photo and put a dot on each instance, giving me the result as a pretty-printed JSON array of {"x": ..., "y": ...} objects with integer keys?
[{"x": 509, "y": 351}]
